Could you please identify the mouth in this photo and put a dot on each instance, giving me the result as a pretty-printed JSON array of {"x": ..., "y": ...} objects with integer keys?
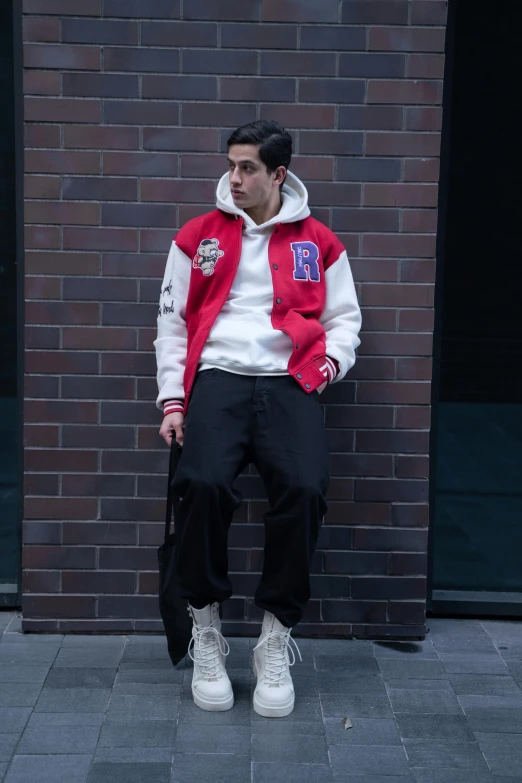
[{"x": 237, "y": 192}]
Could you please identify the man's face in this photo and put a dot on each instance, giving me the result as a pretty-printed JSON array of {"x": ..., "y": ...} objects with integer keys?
[{"x": 250, "y": 183}]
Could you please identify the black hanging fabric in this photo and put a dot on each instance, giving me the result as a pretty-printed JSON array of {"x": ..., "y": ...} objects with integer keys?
[{"x": 174, "y": 609}]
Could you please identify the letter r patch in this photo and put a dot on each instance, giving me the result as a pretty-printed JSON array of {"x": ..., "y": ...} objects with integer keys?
[{"x": 306, "y": 261}]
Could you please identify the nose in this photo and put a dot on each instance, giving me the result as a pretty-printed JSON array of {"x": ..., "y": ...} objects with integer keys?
[{"x": 235, "y": 178}]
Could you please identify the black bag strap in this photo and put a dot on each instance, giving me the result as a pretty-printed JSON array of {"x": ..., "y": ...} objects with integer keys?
[{"x": 175, "y": 453}]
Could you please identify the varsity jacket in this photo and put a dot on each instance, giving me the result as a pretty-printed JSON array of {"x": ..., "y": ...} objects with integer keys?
[{"x": 298, "y": 315}]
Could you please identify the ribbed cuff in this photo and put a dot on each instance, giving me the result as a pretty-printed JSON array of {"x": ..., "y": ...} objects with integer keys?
[
  {"x": 172, "y": 406},
  {"x": 330, "y": 369}
]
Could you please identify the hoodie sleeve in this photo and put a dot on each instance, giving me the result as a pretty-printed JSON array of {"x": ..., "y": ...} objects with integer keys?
[
  {"x": 341, "y": 317},
  {"x": 171, "y": 341}
]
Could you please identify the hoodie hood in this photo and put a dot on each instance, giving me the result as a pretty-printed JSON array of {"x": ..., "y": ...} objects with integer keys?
[{"x": 294, "y": 197}]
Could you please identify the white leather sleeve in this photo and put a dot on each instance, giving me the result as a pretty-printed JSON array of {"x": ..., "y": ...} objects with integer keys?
[
  {"x": 341, "y": 317},
  {"x": 171, "y": 341}
]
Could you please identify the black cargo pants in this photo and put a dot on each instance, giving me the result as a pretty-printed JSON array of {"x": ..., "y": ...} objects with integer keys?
[{"x": 233, "y": 420}]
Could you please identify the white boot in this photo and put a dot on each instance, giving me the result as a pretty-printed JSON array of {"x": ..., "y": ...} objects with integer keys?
[
  {"x": 274, "y": 694},
  {"x": 211, "y": 687}
]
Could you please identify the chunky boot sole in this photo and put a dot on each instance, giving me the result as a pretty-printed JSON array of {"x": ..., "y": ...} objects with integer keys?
[
  {"x": 213, "y": 705},
  {"x": 269, "y": 710}
]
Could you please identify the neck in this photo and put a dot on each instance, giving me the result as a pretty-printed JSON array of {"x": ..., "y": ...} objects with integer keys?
[{"x": 262, "y": 213}]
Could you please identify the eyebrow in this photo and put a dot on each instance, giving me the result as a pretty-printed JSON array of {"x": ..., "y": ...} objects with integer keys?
[{"x": 247, "y": 160}]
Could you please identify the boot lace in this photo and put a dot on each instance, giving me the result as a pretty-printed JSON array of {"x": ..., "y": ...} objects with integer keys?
[
  {"x": 277, "y": 655},
  {"x": 207, "y": 644}
]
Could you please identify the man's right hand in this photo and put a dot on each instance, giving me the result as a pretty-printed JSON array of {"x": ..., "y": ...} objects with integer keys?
[{"x": 172, "y": 426}]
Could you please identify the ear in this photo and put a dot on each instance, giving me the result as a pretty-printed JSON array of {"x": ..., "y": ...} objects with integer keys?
[{"x": 279, "y": 175}]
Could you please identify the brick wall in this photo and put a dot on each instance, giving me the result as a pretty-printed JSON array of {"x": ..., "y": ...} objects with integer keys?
[{"x": 127, "y": 105}]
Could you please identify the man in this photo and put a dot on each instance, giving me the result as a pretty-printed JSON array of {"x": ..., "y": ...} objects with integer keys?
[{"x": 258, "y": 312}]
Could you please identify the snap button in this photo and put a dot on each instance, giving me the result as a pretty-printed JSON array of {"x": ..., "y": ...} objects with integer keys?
[
  {"x": 275, "y": 266},
  {"x": 299, "y": 375},
  {"x": 297, "y": 345},
  {"x": 278, "y": 300},
  {"x": 307, "y": 385}
]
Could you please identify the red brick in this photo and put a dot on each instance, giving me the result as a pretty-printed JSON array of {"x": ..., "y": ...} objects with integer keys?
[
  {"x": 410, "y": 515},
  {"x": 397, "y": 295},
  {"x": 63, "y": 7},
  {"x": 59, "y": 606},
  {"x": 394, "y": 91},
  {"x": 400, "y": 195},
  {"x": 62, "y": 162},
  {"x": 407, "y": 39},
  {"x": 196, "y": 88},
  {"x": 41, "y": 83},
  {"x": 222, "y": 114},
  {"x": 41, "y": 337},
  {"x": 42, "y": 187},
  {"x": 41, "y": 237},
  {"x": 41, "y": 435},
  {"x": 101, "y": 289},
  {"x": 361, "y": 465},
  {"x": 416, "y": 320},
  {"x": 414, "y": 369},
  {"x": 42, "y": 288},
  {"x": 331, "y": 39},
  {"x": 160, "y": 9},
  {"x": 101, "y": 137},
  {"x": 99, "y": 31},
  {"x": 369, "y": 368},
  {"x": 371, "y": 65},
  {"x": 313, "y": 168},
  {"x": 352, "y": 416},
  {"x": 425, "y": 66},
  {"x": 419, "y": 170},
  {"x": 370, "y": 117},
  {"x": 146, "y": 338},
  {"x": 302, "y": 12},
  {"x": 62, "y": 313},
  {"x": 141, "y": 60},
  {"x": 202, "y": 165},
  {"x": 92, "y": 339},
  {"x": 95, "y": 437},
  {"x": 218, "y": 61},
  {"x": 100, "y": 239},
  {"x": 60, "y": 508},
  {"x": 156, "y": 241},
  {"x": 298, "y": 64},
  {"x": 98, "y": 388},
  {"x": 40, "y": 28},
  {"x": 331, "y": 142},
  {"x": 433, "y": 12},
  {"x": 104, "y": 85},
  {"x": 403, "y": 144},
  {"x": 142, "y": 164},
  {"x": 390, "y": 490},
  {"x": 258, "y": 36},
  {"x": 379, "y": 319},
  {"x": 41, "y": 581},
  {"x": 223, "y": 10},
  {"x": 393, "y": 442},
  {"x": 413, "y": 417},
  {"x": 190, "y": 139},
  {"x": 365, "y": 219},
  {"x": 399, "y": 245},
  {"x": 396, "y": 393},
  {"x": 128, "y": 363},
  {"x": 133, "y": 265},
  {"x": 423, "y": 119},
  {"x": 129, "y": 314},
  {"x": 62, "y": 110},
  {"x": 297, "y": 116},
  {"x": 61, "y": 412},
  {"x": 334, "y": 193},
  {"x": 42, "y": 135},
  {"x": 414, "y": 271},
  {"x": 374, "y": 270},
  {"x": 59, "y": 263},
  {"x": 62, "y": 460},
  {"x": 61, "y": 56},
  {"x": 419, "y": 221},
  {"x": 257, "y": 89},
  {"x": 407, "y": 563},
  {"x": 189, "y": 211},
  {"x": 161, "y": 215},
  {"x": 396, "y": 344},
  {"x": 368, "y": 11},
  {"x": 100, "y": 188},
  {"x": 331, "y": 91},
  {"x": 176, "y": 190},
  {"x": 62, "y": 213},
  {"x": 105, "y": 582},
  {"x": 179, "y": 34},
  {"x": 38, "y": 387}
]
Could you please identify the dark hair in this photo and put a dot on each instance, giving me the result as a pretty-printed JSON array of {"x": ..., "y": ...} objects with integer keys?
[{"x": 275, "y": 143}]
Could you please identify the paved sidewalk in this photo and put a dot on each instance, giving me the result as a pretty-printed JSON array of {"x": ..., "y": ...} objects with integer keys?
[{"x": 113, "y": 709}]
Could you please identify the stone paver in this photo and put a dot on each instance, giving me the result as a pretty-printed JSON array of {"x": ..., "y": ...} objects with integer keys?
[{"x": 99, "y": 709}]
